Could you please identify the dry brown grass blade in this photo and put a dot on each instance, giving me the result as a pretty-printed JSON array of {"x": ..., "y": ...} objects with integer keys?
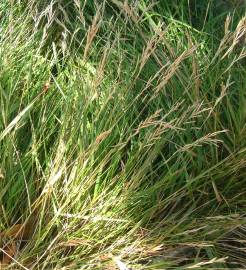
[
  {"x": 9, "y": 252},
  {"x": 17, "y": 231}
]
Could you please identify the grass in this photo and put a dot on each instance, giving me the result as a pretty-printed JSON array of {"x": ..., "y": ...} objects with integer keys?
[{"x": 122, "y": 134}]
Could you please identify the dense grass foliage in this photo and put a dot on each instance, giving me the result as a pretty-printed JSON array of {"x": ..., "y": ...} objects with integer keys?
[{"x": 122, "y": 134}]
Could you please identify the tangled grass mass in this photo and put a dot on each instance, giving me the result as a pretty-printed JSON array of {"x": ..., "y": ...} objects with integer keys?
[{"x": 122, "y": 134}]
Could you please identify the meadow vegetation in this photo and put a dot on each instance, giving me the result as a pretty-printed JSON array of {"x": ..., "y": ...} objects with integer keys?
[{"x": 122, "y": 134}]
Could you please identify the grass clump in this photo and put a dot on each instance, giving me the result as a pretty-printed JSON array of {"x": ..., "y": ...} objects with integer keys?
[{"x": 122, "y": 135}]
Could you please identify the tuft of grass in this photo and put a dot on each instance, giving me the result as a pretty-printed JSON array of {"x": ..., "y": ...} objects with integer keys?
[{"x": 122, "y": 135}]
